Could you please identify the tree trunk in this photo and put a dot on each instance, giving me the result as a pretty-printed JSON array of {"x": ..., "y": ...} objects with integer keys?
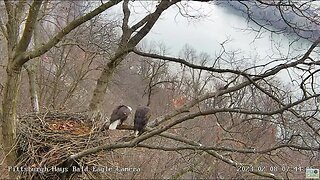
[
  {"x": 126, "y": 45},
  {"x": 1, "y": 123},
  {"x": 32, "y": 65},
  {"x": 18, "y": 56},
  {"x": 9, "y": 115},
  {"x": 102, "y": 84},
  {"x": 33, "y": 87}
]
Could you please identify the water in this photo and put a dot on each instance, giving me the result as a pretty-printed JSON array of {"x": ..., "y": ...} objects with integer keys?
[
  {"x": 244, "y": 43},
  {"x": 246, "y": 46}
]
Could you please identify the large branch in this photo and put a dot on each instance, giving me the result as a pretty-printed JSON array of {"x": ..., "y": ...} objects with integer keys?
[
  {"x": 141, "y": 22},
  {"x": 282, "y": 104},
  {"x": 9, "y": 9},
  {"x": 29, "y": 27},
  {"x": 193, "y": 146},
  {"x": 57, "y": 38},
  {"x": 217, "y": 155},
  {"x": 175, "y": 122},
  {"x": 126, "y": 15},
  {"x": 10, "y": 25},
  {"x": 3, "y": 29},
  {"x": 220, "y": 92},
  {"x": 159, "y": 130},
  {"x": 164, "y": 4},
  {"x": 15, "y": 12},
  {"x": 19, "y": 10},
  {"x": 227, "y": 149},
  {"x": 126, "y": 32},
  {"x": 213, "y": 151},
  {"x": 191, "y": 65},
  {"x": 269, "y": 72}
]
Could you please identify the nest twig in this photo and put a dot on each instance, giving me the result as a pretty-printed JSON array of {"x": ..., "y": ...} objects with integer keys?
[{"x": 46, "y": 140}]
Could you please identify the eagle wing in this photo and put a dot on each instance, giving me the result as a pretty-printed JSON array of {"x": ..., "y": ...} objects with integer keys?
[{"x": 141, "y": 117}]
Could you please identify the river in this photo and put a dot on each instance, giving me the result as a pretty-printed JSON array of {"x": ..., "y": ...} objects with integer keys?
[
  {"x": 215, "y": 25},
  {"x": 246, "y": 43}
]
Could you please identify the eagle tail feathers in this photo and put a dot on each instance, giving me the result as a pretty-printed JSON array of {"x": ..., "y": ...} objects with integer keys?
[
  {"x": 114, "y": 124},
  {"x": 136, "y": 133}
]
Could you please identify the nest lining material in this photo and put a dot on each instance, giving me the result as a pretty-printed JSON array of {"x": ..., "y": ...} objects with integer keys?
[{"x": 46, "y": 140}]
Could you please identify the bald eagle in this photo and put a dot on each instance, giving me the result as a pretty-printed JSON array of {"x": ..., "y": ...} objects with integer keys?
[
  {"x": 141, "y": 118},
  {"x": 119, "y": 115}
]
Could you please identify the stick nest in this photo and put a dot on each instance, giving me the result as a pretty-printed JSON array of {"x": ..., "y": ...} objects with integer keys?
[{"x": 45, "y": 141}]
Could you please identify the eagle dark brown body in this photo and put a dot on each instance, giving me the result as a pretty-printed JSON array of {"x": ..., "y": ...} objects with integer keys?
[{"x": 141, "y": 118}]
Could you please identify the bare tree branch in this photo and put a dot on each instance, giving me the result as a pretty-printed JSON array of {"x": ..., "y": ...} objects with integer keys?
[
  {"x": 194, "y": 66},
  {"x": 158, "y": 130},
  {"x": 152, "y": 20},
  {"x": 21, "y": 59},
  {"x": 214, "y": 148},
  {"x": 29, "y": 27}
]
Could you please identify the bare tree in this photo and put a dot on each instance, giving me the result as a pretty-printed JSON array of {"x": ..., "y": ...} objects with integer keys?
[
  {"x": 18, "y": 54},
  {"x": 130, "y": 37},
  {"x": 237, "y": 119},
  {"x": 259, "y": 124}
]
